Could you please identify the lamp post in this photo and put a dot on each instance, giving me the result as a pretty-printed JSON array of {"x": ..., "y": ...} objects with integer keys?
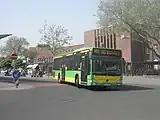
[{"x": 4, "y": 35}]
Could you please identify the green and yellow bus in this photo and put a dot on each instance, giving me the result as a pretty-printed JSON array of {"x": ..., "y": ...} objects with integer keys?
[{"x": 90, "y": 67}]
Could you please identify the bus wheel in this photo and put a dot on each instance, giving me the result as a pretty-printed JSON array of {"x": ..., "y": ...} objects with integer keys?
[{"x": 77, "y": 81}]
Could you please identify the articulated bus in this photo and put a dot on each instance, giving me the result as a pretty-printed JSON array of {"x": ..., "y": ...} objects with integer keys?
[{"x": 100, "y": 67}]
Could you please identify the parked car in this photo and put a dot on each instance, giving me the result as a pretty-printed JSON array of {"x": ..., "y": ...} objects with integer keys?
[
  {"x": 8, "y": 73},
  {"x": 3, "y": 71}
]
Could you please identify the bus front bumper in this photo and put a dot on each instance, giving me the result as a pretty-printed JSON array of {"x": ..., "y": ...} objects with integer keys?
[{"x": 118, "y": 84}]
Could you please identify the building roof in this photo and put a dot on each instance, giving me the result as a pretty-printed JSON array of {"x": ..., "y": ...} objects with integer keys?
[
  {"x": 91, "y": 48},
  {"x": 83, "y": 49},
  {"x": 71, "y": 48},
  {"x": 44, "y": 54},
  {"x": 75, "y": 46}
]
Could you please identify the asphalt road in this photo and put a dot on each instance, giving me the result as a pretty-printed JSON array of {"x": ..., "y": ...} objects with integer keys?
[
  {"x": 53, "y": 102},
  {"x": 27, "y": 79}
]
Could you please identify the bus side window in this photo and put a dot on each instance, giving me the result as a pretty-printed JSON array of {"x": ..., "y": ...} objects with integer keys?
[
  {"x": 87, "y": 63},
  {"x": 76, "y": 61},
  {"x": 68, "y": 62}
]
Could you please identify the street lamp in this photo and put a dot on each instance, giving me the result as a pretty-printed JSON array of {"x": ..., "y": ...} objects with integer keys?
[{"x": 4, "y": 35}]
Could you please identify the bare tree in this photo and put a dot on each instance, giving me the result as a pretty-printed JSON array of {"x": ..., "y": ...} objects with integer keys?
[
  {"x": 56, "y": 37},
  {"x": 18, "y": 44},
  {"x": 140, "y": 17}
]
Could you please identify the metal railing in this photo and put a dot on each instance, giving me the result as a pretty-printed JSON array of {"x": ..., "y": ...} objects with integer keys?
[{"x": 143, "y": 68}]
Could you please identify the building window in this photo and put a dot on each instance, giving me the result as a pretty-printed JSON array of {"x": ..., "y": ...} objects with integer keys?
[
  {"x": 101, "y": 39},
  {"x": 114, "y": 41},
  {"x": 147, "y": 56},
  {"x": 104, "y": 32},
  {"x": 147, "y": 51},
  {"x": 97, "y": 32},
  {"x": 98, "y": 41},
  {"x": 101, "y": 32},
  {"x": 111, "y": 42},
  {"x": 105, "y": 41},
  {"x": 95, "y": 41}
]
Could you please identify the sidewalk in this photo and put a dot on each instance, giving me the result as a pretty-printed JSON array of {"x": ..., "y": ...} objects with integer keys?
[
  {"x": 44, "y": 78},
  {"x": 11, "y": 86},
  {"x": 4, "y": 85},
  {"x": 38, "y": 79},
  {"x": 28, "y": 78},
  {"x": 142, "y": 80}
]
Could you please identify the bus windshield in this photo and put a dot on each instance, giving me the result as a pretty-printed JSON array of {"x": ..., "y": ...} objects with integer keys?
[{"x": 106, "y": 67}]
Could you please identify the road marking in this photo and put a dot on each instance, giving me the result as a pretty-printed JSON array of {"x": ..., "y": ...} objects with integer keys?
[
  {"x": 47, "y": 85},
  {"x": 21, "y": 87}
]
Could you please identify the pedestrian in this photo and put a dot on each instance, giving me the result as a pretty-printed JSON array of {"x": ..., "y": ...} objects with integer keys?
[{"x": 16, "y": 76}]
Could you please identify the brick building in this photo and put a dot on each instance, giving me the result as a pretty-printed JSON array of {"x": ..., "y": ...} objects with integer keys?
[
  {"x": 42, "y": 54},
  {"x": 100, "y": 38},
  {"x": 44, "y": 57},
  {"x": 132, "y": 50}
]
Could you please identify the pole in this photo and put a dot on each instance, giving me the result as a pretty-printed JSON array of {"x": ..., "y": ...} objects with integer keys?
[{"x": 13, "y": 62}]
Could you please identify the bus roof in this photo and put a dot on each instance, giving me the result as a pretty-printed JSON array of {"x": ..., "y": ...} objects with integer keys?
[
  {"x": 84, "y": 48},
  {"x": 91, "y": 48}
]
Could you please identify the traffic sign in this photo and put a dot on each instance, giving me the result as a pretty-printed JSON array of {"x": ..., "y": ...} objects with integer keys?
[{"x": 14, "y": 55}]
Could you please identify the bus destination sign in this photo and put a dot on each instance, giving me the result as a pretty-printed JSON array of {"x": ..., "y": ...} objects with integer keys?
[{"x": 107, "y": 52}]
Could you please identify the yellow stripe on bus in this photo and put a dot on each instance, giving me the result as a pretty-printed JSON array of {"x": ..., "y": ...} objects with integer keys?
[
  {"x": 68, "y": 79},
  {"x": 102, "y": 79}
]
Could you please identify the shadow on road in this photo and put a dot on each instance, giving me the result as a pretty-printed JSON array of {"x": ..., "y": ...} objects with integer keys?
[{"x": 123, "y": 88}]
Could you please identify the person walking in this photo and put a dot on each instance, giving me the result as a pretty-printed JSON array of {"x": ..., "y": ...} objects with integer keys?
[{"x": 16, "y": 76}]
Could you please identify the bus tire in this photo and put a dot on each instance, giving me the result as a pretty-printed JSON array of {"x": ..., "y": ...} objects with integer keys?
[
  {"x": 77, "y": 81},
  {"x": 59, "y": 78}
]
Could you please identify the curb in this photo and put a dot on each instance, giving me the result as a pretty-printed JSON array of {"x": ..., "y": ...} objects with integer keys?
[
  {"x": 9, "y": 80},
  {"x": 13, "y": 87}
]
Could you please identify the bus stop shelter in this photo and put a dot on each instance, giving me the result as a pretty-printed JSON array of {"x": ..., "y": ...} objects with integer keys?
[{"x": 4, "y": 35}]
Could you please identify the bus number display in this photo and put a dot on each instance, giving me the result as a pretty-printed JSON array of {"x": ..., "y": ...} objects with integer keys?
[{"x": 108, "y": 52}]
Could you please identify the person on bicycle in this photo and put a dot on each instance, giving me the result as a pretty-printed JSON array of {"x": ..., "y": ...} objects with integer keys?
[{"x": 16, "y": 76}]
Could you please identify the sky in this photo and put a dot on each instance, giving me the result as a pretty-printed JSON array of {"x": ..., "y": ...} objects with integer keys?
[{"x": 23, "y": 18}]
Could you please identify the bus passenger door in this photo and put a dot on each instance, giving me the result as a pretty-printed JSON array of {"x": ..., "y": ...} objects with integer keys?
[
  {"x": 84, "y": 71},
  {"x": 63, "y": 73}
]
